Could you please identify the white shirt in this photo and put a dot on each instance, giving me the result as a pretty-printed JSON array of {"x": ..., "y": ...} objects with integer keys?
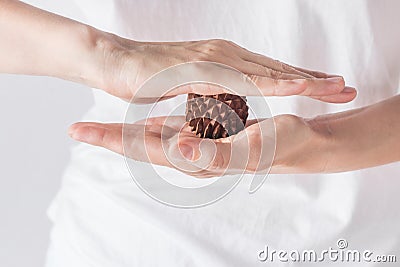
[{"x": 101, "y": 218}]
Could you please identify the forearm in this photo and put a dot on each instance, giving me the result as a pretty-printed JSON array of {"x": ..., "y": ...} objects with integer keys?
[
  {"x": 37, "y": 42},
  {"x": 361, "y": 138}
]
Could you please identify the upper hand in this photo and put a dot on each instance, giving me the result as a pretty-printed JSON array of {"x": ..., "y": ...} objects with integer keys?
[{"x": 126, "y": 65}]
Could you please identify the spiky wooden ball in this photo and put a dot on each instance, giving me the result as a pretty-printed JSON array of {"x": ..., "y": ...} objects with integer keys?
[{"x": 216, "y": 116}]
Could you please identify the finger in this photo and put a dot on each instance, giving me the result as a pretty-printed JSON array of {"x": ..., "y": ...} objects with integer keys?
[
  {"x": 283, "y": 67},
  {"x": 272, "y": 64},
  {"x": 253, "y": 121},
  {"x": 323, "y": 87},
  {"x": 272, "y": 87},
  {"x": 150, "y": 100},
  {"x": 175, "y": 122},
  {"x": 313, "y": 87},
  {"x": 224, "y": 156},
  {"x": 105, "y": 135},
  {"x": 347, "y": 95},
  {"x": 315, "y": 73},
  {"x": 143, "y": 145},
  {"x": 205, "y": 154},
  {"x": 199, "y": 88},
  {"x": 140, "y": 143},
  {"x": 97, "y": 124},
  {"x": 248, "y": 67}
]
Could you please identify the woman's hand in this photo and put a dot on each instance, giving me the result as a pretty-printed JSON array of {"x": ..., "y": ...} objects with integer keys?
[
  {"x": 168, "y": 141},
  {"x": 345, "y": 141},
  {"x": 127, "y": 64},
  {"x": 41, "y": 43}
]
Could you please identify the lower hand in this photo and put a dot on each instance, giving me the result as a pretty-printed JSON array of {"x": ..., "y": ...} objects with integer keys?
[{"x": 300, "y": 145}]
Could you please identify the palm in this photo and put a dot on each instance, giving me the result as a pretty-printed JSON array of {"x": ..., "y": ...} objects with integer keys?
[{"x": 153, "y": 140}]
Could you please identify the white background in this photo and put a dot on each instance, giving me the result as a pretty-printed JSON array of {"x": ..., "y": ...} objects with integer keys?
[{"x": 35, "y": 113}]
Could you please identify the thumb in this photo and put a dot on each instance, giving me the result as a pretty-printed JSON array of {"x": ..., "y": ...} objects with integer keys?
[{"x": 199, "y": 154}]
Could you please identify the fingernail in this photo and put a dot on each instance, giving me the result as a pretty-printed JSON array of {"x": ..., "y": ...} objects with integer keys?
[{"x": 187, "y": 151}]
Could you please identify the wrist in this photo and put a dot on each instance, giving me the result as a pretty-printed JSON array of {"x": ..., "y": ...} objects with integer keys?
[
  {"x": 87, "y": 63},
  {"x": 111, "y": 63},
  {"x": 302, "y": 145},
  {"x": 323, "y": 143}
]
